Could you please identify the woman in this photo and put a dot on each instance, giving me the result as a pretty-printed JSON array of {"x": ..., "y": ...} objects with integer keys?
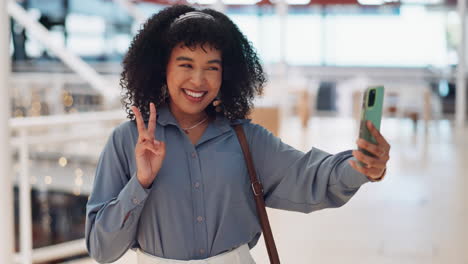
[{"x": 172, "y": 182}]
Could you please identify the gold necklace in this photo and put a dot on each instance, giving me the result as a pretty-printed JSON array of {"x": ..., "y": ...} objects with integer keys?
[{"x": 194, "y": 126}]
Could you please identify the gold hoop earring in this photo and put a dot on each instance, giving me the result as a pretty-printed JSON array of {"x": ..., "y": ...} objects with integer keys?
[{"x": 217, "y": 105}]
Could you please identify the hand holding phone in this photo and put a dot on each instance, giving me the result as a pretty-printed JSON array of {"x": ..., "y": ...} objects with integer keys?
[
  {"x": 374, "y": 150},
  {"x": 372, "y": 104}
]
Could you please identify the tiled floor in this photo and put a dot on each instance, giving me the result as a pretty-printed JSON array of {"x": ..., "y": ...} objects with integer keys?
[{"x": 417, "y": 215}]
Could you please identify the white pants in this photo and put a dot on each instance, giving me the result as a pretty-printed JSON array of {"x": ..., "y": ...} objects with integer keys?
[{"x": 240, "y": 255}]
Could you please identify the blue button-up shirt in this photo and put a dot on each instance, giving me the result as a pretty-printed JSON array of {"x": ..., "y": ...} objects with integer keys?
[{"x": 201, "y": 203}]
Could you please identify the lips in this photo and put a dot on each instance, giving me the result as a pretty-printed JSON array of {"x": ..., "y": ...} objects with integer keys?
[{"x": 195, "y": 96}]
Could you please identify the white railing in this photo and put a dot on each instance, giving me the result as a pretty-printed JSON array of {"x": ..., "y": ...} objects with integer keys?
[
  {"x": 23, "y": 126},
  {"x": 23, "y": 142}
]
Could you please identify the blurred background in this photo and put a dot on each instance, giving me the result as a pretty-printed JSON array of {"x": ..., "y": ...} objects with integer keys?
[{"x": 60, "y": 68}]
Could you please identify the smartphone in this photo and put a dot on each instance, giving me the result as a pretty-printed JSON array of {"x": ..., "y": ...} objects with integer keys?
[{"x": 371, "y": 110}]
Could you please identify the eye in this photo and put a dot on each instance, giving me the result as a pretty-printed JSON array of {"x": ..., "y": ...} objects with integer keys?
[
  {"x": 186, "y": 65},
  {"x": 213, "y": 68}
]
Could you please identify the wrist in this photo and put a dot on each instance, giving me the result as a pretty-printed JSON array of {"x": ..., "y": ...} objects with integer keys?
[
  {"x": 382, "y": 176},
  {"x": 144, "y": 183}
]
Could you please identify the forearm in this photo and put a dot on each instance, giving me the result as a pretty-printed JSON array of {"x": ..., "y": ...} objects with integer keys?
[
  {"x": 111, "y": 227},
  {"x": 315, "y": 181}
]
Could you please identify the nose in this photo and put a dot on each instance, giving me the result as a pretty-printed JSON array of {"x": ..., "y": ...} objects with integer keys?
[{"x": 197, "y": 78}]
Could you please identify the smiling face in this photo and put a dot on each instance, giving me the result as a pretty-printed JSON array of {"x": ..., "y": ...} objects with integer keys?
[{"x": 194, "y": 77}]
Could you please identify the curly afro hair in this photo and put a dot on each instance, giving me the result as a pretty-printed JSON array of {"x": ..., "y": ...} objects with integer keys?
[{"x": 144, "y": 65}]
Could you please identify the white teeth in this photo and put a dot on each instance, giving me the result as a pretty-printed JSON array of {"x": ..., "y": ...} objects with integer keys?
[{"x": 193, "y": 94}]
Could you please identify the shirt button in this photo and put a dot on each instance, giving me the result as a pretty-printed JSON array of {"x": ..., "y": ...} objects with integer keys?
[
  {"x": 135, "y": 201},
  {"x": 197, "y": 184},
  {"x": 194, "y": 155},
  {"x": 200, "y": 219},
  {"x": 202, "y": 251}
]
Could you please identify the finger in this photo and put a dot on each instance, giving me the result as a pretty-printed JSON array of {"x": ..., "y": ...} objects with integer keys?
[
  {"x": 139, "y": 121},
  {"x": 377, "y": 150},
  {"x": 370, "y": 161},
  {"x": 373, "y": 173},
  {"x": 376, "y": 133},
  {"x": 161, "y": 146},
  {"x": 148, "y": 145},
  {"x": 157, "y": 145},
  {"x": 152, "y": 121}
]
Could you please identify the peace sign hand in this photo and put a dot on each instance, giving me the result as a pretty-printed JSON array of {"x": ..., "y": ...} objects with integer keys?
[
  {"x": 149, "y": 152},
  {"x": 377, "y": 165}
]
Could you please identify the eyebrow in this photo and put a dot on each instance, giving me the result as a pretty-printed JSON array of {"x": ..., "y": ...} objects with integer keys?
[{"x": 183, "y": 58}]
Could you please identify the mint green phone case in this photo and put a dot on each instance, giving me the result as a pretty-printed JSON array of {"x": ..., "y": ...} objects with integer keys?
[{"x": 371, "y": 112}]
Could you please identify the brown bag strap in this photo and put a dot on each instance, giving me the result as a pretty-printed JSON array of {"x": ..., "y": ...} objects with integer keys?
[{"x": 257, "y": 190}]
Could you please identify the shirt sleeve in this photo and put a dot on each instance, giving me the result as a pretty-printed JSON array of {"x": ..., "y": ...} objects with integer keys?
[
  {"x": 115, "y": 204},
  {"x": 297, "y": 181}
]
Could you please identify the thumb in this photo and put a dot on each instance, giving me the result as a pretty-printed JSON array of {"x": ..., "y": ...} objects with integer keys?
[{"x": 160, "y": 145}]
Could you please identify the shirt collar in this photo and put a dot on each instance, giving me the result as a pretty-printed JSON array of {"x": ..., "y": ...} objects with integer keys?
[
  {"x": 223, "y": 124},
  {"x": 165, "y": 116}
]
